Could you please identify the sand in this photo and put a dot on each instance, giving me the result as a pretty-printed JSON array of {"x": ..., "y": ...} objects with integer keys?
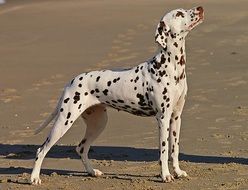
[{"x": 44, "y": 44}]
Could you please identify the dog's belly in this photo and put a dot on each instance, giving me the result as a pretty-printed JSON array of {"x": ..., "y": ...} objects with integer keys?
[{"x": 144, "y": 111}]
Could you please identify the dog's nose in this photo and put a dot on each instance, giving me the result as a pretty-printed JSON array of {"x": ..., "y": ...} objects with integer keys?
[{"x": 201, "y": 11}]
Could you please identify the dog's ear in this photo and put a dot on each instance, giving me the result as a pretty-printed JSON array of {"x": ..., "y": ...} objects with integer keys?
[{"x": 161, "y": 34}]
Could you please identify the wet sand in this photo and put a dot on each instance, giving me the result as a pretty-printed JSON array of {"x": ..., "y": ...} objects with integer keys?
[{"x": 44, "y": 44}]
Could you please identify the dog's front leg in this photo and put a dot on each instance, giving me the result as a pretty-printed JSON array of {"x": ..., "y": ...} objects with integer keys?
[
  {"x": 175, "y": 123},
  {"x": 163, "y": 123}
]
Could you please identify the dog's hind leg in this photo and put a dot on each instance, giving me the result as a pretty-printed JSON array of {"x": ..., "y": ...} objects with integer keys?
[
  {"x": 96, "y": 119},
  {"x": 70, "y": 110}
]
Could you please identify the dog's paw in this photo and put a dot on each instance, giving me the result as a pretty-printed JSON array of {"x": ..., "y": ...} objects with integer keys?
[
  {"x": 96, "y": 173},
  {"x": 168, "y": 178},
  {"x": 180, "y": 174},
  {"x": 35, "y": 181}
]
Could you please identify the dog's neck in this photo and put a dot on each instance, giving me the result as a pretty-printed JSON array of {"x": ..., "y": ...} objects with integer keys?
[
  {"x": 174, "y": 54},
  {"x": 176, "y": 47}
]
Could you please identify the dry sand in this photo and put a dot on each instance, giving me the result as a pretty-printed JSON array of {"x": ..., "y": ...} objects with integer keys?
[{"x": 43, "y": 44}]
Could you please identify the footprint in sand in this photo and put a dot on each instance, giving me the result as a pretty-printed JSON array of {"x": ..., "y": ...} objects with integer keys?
[
  {"x": 221, "y": 120},
  {"x": 27, "y": 132},
  {"x": 200, "y": 98},
  {"x": 223, "y": 139},
  {"x": 241, "y": 111},
  {"x": 193, "y": 109},
  {"x": 8, "y": 95},
  {"x": 235, "y": 81},
  {"x": 52, "y": 80}
]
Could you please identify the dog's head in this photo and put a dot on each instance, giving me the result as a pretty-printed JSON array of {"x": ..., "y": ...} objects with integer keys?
[{"x": 177, "y": 24}]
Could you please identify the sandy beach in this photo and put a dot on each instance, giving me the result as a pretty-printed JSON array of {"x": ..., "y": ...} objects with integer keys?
[{"x": 45, "y": 43}]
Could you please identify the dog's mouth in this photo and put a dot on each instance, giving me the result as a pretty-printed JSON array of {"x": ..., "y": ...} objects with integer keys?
[{"x": 200, "y": 14}]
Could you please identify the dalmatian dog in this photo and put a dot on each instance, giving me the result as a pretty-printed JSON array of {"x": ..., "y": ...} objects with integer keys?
[{"x": 156, "y": 88}]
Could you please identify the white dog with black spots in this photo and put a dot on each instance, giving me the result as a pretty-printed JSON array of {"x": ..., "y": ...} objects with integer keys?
[{"x": 156, "y": 87}]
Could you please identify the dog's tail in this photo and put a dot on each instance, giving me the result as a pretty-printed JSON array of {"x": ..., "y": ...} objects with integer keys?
[
  {"x": 50, "y": 118},
  {"x": 46, "y": 123}
]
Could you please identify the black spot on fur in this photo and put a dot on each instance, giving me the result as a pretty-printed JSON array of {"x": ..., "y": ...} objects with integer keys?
[
  {"x": 141, "y": 99},
  {"x": 174, "y": 133},
  {"x": 81, "y": 150},
  {"x": 105, "y": 92},
  {"x": 66, "y": 100},
  {"x": 81, "y": 78},
  {"x": 80, "y": 85},
  {"x": 72, "y": 81},
  {"x": 147, "y": 96},
  {"x": 66, "y": 123},
  {"x": 117, "y": 79},
  {"x": 162, "y": 73},
  {"x": 61, "y": 109},
  {"x": 76, "y": 97},
  {"x": 152, "y": 71},
  {"x": 163, "y": 143},
  {"x": 109, "y": 83},
  {"x": 161, "y": 26},
  {"x": 136, "y": 79},
  {"x": 98, "y": 78},
  {"x": 86, "y": 93},
  {"x": 82, "y": 142},
  {"x": 163, "y": 59},
  {"x": 182, "y": 60},
  {"x": 68, "y": 115},
  {"x": 163, "y": 110},
  {"x": 121, "y": 101},
  {"x": 181, "y": 50}
]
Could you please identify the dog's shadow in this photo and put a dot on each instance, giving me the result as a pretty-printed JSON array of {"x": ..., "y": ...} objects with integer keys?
[{"x": 28, "y": 152}]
